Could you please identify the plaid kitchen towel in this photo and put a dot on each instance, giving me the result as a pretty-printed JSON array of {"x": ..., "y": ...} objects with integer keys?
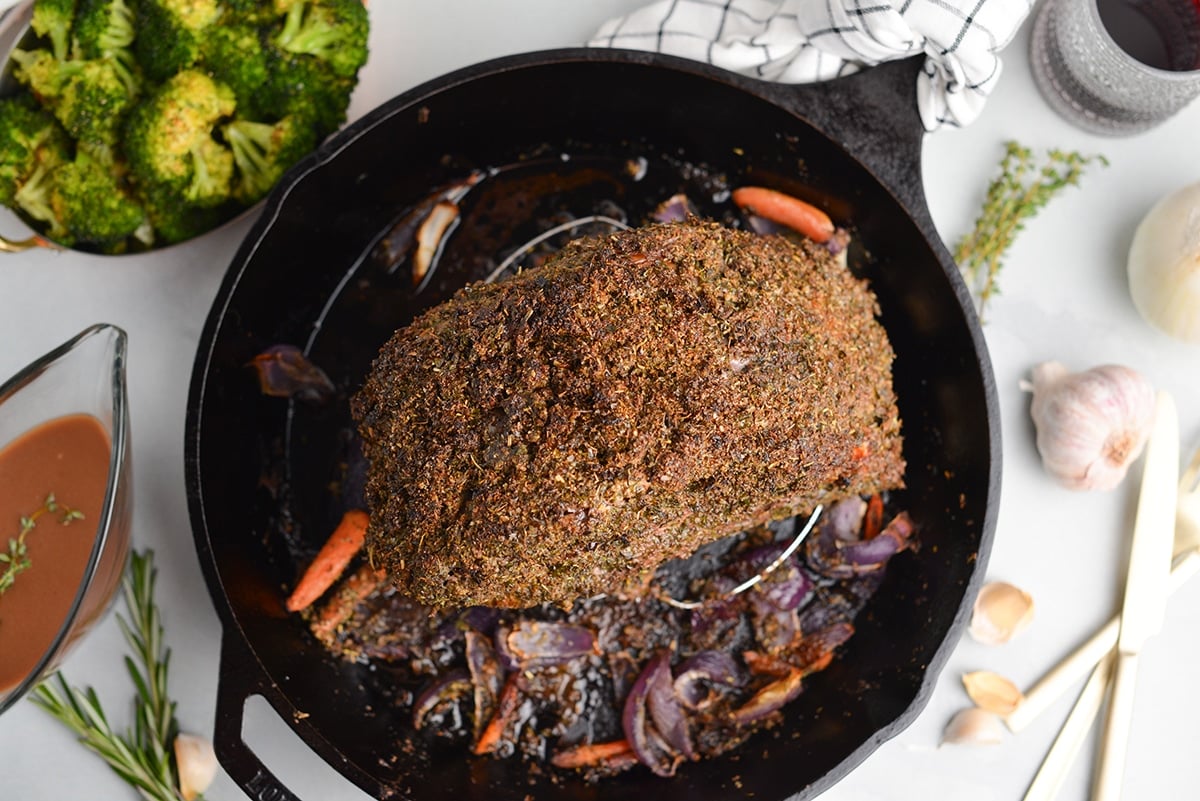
[{"x": 799, "y": 41}]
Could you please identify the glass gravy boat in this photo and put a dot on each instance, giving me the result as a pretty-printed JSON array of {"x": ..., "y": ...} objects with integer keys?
[{"x": 84, "y": 376}]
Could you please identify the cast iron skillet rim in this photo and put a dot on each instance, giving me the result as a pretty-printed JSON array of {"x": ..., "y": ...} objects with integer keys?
[{"x": 405, "y": 102}]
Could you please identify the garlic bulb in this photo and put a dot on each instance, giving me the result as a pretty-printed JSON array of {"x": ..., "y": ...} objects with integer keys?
[
  {"x": 1090, "y": 425},
  {"x": 1164, "y": 265}
]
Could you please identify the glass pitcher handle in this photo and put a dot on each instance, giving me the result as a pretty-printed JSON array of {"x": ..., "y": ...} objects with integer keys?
[{"x": 22, "y": 245}]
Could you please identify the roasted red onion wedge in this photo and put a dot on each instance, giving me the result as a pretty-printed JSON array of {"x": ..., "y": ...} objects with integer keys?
[
  {"x": 814, "y": 651},
  {"x": 487, "y": 677},
  {"x": 676, "y": 208},
  {"x": 647, "y": 742},
  {"x": 698, "y": 678},
  {"x": 845, "y": 520},
  {"x": 838, "y": 558},
  {"x": 665, "y": 708},
  {"x": 788, "y": 588},
  {"x": 443, "y": 697},
  {"x": 771, "y": 698},
  {"x": 543, "y": 642},
  {"x": 285, "y": 372}
]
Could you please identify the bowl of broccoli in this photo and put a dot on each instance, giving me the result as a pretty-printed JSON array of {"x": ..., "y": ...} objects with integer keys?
[{"x": 133, "y": 125}]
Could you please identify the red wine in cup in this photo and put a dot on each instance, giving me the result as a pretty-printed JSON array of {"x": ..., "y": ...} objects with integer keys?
[{"x": 1164, "y": 34}]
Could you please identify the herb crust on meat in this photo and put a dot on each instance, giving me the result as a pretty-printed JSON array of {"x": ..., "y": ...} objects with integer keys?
[{"x": 560, "y": 434}]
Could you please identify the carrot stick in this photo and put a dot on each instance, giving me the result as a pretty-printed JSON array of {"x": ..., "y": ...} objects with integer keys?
[
  {"x": 873, "y": 520},
  {"x": 331, "y": 560},
  {"x": 340, "y": 606},
  {"x": 582, "y": 756},
  {"x": 510, "y": 699},
  {"x": 785, "y": 210}
]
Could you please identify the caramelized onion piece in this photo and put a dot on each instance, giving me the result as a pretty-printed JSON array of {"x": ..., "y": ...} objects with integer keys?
[
  {"x": 487, "y": 677},
  {"x": 543, "y": 642},
  {"x": 697, "y": 675},
  {"x": 448, "y": 690},
  {"x": 431, "y": 235},
  {"x": 651, "y": 748},
  {"x": 676, "y": 208},
  {"x": 665, "y": 709},
  {"x": 771, "y": 698},
  {"x": 837, "y": 558},
  {"x": 285, "y": 372}
]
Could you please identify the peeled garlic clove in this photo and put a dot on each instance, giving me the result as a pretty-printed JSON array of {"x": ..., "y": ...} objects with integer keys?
[
  {"x": 197, "y": 765},
  {"x": 973, "y": 726},
  {"x": 1090, "y": 425},
  {"x": 1001, "y": 612},
  {"x": 992, "y": 692},
  {"x": 1164, "y": 265}
]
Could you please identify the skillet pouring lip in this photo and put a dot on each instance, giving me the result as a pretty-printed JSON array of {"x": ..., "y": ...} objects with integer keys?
[{"x": 292, "y": 279}]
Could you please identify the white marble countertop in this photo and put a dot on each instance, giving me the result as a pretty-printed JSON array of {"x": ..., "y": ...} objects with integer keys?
[{"x": 1064, "y": 296}]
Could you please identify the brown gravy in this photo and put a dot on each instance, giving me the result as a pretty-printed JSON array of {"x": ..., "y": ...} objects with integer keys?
[{"x": 69, "y": 457}]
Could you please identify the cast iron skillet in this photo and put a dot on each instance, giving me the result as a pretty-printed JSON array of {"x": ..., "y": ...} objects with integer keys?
[{"x": 262, "y": 472}]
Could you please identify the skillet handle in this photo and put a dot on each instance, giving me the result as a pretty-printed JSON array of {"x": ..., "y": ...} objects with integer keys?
[
  {"x": 238, "y": 682},
  {"x": 873, "y": 115}
]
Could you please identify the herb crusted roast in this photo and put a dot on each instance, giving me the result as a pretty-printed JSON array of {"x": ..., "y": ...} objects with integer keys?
[{"x": 560, "y": 434}]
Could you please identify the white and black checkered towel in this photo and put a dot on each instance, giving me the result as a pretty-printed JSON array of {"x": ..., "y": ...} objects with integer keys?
[{"x": 799, "y": 41}]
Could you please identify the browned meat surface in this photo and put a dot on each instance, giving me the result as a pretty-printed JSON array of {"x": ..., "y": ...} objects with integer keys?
[{"x": 560, "y": 434}]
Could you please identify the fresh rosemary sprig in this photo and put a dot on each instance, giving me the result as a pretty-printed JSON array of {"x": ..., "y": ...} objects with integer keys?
[
  {"x": 143, "y": 755},
  {"x": 1025, "y": 185},
  {"x": 16, "y": 560}
]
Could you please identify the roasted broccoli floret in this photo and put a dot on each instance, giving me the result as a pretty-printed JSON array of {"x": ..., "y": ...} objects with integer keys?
[
  {"x": 93, "y": 100},
  {"x": 52, "y": 19},
  {"x": 41, "y": 72},
  {"x": 300, "y": 84},
  {"x": 29, "y": 136},
  {"x": 169, "y": 140},
  {"x": 234, "y": 55},
  {"x": 172, "y": 221},
  {"x": 89, "y": 97},
  {"x": 170, "y": 33},
  {"x": 260, "y": 13},
  {"x": 92, "y": 206},
  {"x": 212, "y": 175},
  {"x": 79, "y": 201},
  {"x": 264, "y": 152},
  {"x": 105, "y": 28},
  {"x": 33, "y": 198},
  {"x": 334, "y": 31}
]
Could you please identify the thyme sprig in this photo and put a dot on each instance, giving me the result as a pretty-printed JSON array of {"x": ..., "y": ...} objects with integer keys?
[
  {"x": 141, "y": 756},
  {"x": 1026, "y": 183},
  {"x": 16, "y": 559}
]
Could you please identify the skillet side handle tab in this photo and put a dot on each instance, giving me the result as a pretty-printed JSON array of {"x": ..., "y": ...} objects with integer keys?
[
  {"x": 235, "y": 686},
  {"x": 873, "y": 114}
]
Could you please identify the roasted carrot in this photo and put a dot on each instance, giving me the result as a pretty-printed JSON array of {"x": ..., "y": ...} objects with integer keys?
[
  {"x": 331, "y": 560},
  {"x": 762, "y": 664},
  {"x": 785, "y": 210},
  {"x": 582, "y": 756},
  {"x": 873, "y": 520},
  {"x": 340, "y": 606},
  {"x": 510, "y": 700}
]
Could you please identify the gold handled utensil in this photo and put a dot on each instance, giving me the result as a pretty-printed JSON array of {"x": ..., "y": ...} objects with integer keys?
[
  {"x": 1186, "y": 564},
  {"x": 1145, "y": 602}
]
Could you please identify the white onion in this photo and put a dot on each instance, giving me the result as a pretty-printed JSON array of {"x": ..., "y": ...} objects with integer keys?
[{"x": 1164, "y": 265}]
